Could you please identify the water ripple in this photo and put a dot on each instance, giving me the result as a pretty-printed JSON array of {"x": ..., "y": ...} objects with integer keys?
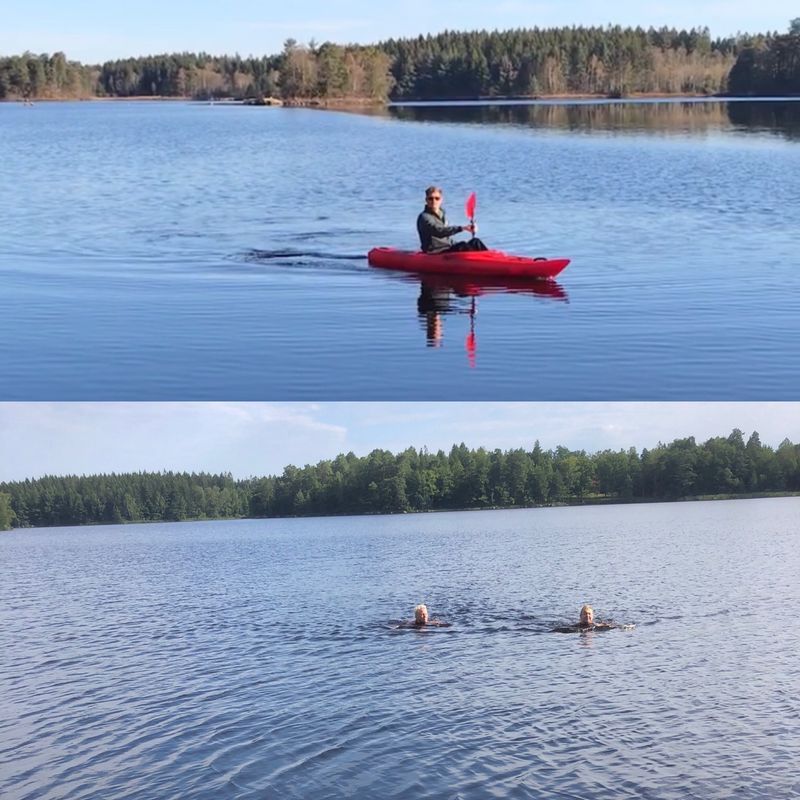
[
  {"x": 247, "y": 660},
  {"x": 233, "y": 239}
]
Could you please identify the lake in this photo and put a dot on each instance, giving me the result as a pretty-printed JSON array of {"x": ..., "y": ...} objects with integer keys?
[
  {"x": 262, "y": 659},
  {"x": 182, "y": 251}
]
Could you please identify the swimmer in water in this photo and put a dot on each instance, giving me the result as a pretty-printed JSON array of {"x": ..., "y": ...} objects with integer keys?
[
  {"x": 422, "y": 619},
  {"x": 586, "y": 622}
]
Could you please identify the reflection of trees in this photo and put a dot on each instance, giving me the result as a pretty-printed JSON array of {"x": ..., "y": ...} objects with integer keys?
[
  {"x": 779, "y": 116},
  {"x": 578, "y": 116},
  {"x": 775, "y": 117}
]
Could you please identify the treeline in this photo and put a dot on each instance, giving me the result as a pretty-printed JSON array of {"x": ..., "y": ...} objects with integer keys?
[
  {"x": 770, "y": 69},
  {"x": 32, "y": 76},
  {"x": 415, "y": 480},
  {"x": 298, "y": 72},
  {"x": 189, "y": 75},
  {"x": 134, "y": 497},
  {"x": 611, "y": 61}
]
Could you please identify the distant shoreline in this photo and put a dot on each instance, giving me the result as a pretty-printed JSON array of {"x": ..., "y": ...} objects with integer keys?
[
  {"x": 355, "y": 102},
  {"x": 350, "y": 104},
  {"x": 599, "y": 501}
]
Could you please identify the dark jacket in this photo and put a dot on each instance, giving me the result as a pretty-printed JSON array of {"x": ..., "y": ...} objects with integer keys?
[{"x": 434, "y": 232}]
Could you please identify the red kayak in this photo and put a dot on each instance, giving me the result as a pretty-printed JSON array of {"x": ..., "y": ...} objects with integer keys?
[{"x": 486, "y": 263}]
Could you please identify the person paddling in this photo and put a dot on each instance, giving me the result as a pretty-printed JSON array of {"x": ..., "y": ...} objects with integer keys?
[{"x": 435, "y": 233}]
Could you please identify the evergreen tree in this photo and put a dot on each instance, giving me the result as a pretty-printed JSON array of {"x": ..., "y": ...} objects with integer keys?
[
  {"x": 6, "y": 514},
  {"x": 413, "y": 481}
]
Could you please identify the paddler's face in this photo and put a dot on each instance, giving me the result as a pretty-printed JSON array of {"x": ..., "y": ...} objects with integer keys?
[
  {"x": 434, "y": 201},
  {"x": 587, "y": 616}
]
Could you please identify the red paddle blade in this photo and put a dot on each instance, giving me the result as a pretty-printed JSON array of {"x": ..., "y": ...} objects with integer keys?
[{"x": 471, "y": 201}]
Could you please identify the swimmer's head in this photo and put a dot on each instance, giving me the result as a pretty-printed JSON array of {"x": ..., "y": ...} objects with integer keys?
[
  {"x": 587, "y": 615},
  {"x": 421, "y": 614}
]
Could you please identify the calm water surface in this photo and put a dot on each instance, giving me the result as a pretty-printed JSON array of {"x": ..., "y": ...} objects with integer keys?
[
  {"x": 261, "y": 659},
  {"x": 187, "y": 251}
]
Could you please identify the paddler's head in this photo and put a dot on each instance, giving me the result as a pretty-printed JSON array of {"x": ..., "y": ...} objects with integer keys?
[
  {"x": 433, "y": 198},
  {"x": 421, "y": 614},
  {"x": 587, "y": 615}
]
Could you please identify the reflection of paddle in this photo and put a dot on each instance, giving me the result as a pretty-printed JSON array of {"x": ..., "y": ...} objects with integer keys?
[
  {"x": 471, "y": 345},
  {"x": 470, "y": 208}
]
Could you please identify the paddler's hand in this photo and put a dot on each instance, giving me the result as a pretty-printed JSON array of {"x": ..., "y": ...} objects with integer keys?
[{"x": 472, "y": 228}]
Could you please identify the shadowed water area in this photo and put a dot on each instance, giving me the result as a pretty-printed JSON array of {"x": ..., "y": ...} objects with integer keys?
[
  {"x": 189, "y": 251},
  {"x": 262, "y": 659}
]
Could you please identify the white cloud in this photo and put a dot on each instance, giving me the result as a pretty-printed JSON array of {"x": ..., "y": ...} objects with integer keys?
[
  {"x": 243, "y": 438},
  {"x": 589, "y": 426}
]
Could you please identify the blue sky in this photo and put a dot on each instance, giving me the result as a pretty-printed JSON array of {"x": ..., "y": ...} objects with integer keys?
[
  {"x": 261, "y": 438},
  {"x": 92, "y": 31}
]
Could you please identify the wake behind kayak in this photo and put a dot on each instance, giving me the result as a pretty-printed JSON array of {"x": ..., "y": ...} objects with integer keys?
[{"x": 484, "y": 263}]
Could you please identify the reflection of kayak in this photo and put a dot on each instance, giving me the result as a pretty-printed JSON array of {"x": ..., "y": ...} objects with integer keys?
[
  {"x": 477, "y": 285},
  {"x": 484, "y": 263}
]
